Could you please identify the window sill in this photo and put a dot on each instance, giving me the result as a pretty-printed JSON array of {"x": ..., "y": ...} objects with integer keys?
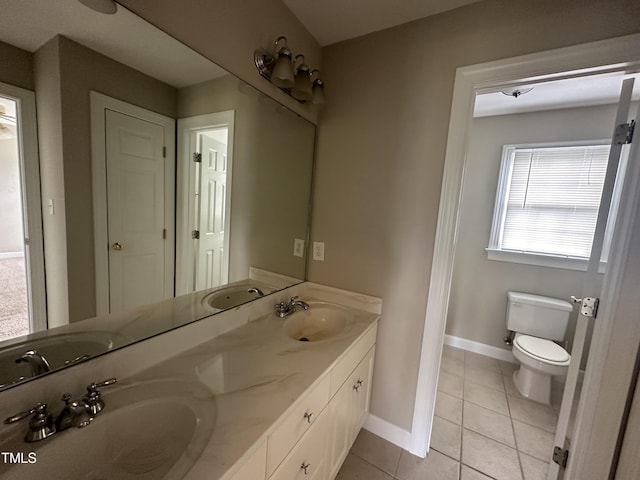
[{"x": 565, "y": 263}]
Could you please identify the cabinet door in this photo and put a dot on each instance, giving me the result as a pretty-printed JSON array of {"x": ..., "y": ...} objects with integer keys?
[{"x": 347, "y": 411}]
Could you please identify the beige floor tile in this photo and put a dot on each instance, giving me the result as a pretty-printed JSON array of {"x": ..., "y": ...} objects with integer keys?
[
  {"x": 468, "y": 473},
  {"x": 476, "y": 360},
  {"x": 452, "y": 366},
  {"x": 533, "y": 468},
  {"x": 488, "y": 423},
  {"x": 451, "y": 384},
  {"x": 486, "y": 378},
  {"x": 486, "y": 397},
  {"x": 533, "y": 413},
  {"x": 510, "y": 387},
  {"x": 355, "y": 468},
  {"x": 508, "y": 368},
  {"x": 446, "y": 437},
  {"x": 533, "y": 441},
  {"x": 376, "y": 451},
  {"x": 435, "y": 466},
  {"x": 449, "y": 407},
  {"x": 490, "y": 457},
  {"x": 453, "y": 352}
]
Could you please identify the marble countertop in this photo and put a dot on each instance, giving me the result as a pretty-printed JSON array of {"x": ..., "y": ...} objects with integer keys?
[{"x": 254, "y": 374}]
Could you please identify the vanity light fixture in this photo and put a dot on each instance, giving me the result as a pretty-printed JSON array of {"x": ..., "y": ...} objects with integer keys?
[
  {"x": 102, "y": 6},
  {"x": 279, "y": 68},
  {"x": 515, "y": 92}
]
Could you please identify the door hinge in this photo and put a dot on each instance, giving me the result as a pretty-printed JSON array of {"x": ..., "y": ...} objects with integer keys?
[
  {"x": 560, "y": 456},
  {"x": 164, "y": 152},
  {"x": 195, "y": 234},
  {"x": 588, "y": 305},
  {"x": 197, "y": 157},
  {"x": 624, "y": 133}
]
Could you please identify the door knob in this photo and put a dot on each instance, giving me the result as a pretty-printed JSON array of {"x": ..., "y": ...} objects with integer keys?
[{"x": 117, "y": 246}]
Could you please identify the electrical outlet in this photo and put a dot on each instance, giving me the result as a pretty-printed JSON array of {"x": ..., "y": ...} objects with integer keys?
[
  {"x": 298, "y": 247},
  {"x": 318, "y": 251}
]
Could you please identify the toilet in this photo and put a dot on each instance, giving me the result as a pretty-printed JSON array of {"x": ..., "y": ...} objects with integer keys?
[{"x": 536, "y": 322}]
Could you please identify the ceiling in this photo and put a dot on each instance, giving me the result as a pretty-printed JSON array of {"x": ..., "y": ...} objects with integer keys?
[
  {"x": 29, "y": 24},
  {"x": 331, "y": 21}
]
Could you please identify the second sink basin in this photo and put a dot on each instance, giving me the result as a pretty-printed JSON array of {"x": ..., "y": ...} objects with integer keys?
[
  {"x": 146, "y": 432},
  {"x": 320, "y": 322}
]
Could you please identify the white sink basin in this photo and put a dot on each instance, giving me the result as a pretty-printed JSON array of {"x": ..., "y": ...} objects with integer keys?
[
  {"x": 235, "y": 294},
  {"x": 146, "y": 432},
  {"x": 320, "y": 322}
]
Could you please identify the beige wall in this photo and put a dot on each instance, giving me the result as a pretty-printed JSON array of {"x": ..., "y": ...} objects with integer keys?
[
  {"x": 479, "y": 288},
  {"x": 271, "y": 178},
  {"x": 21, "y": 72},
  {"x": 65, "y": 74},
  {"x": 228, "y": 32},
  {"x": 380, "y": 155}
]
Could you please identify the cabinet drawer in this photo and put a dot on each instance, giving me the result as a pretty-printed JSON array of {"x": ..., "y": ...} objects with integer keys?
[
  {"x": 345, "y": 366},
  {"x": 305, "y": 414},
  {"x": 307, "y": 460}
]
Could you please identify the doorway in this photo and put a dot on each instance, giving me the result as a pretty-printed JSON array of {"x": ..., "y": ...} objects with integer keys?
[
  {"x": 205, "y": 169},
  {"x": 600, "y": 57},
  {"x": 133, "y": 189},
  {"x": 22, "y": 292}
]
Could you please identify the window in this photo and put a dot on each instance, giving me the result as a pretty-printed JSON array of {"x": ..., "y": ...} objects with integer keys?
[{"x": 547, "y": 204}]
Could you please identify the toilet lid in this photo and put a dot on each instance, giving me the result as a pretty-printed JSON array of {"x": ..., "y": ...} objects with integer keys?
[{"x": 542, "y": 348}]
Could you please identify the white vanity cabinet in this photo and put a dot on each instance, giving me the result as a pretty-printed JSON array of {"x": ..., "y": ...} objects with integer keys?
[{"x": 311, "y": 440}]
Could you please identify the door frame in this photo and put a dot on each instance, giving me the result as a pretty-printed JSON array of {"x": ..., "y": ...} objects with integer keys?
[
  {"x": 31, "y": 203},
  {"x": 99, "y": 103},
  {"x": 185, "y": 216},
  {"x": 612, "y": 55}
]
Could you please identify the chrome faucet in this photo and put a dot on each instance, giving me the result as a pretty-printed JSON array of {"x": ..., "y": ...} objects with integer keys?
[
  {"x": 287, "y": 308},
  {"x": 37, "y": 362},
  {"x": 256, "y": 290},
  {"x": 76, "y": 414}
]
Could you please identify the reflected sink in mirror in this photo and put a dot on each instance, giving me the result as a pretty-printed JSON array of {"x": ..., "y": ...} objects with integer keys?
[
  {"x": 150, "y": 431},
  {"x": 320, "y": 322},
  {"x": 236, "y": 294},
  {"x": 59, "y": 351}
]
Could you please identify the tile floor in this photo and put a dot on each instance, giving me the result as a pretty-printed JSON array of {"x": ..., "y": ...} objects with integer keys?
[{"x": 483, "y": 429}]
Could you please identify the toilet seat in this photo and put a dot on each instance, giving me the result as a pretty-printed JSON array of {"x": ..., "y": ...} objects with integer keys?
[{"x": 543, "y": 350}]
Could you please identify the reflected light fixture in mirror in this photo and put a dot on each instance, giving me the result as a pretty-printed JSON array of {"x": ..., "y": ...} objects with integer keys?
[
  {"x": 278, "y": 68},
  {"x": 515, "y": 92},
  {"x": 103, "y": 6},
  {"x": 302, "y": 85}
]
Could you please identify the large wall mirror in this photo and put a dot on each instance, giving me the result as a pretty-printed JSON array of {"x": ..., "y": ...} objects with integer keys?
[{"x": 142, "y": 186}]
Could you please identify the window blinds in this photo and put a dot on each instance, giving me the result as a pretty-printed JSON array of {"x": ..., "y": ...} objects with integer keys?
[{"x": 552, "y": 199}]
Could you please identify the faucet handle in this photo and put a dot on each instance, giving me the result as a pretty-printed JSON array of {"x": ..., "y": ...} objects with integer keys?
[
  {"x": 41, "y": 424},
  {"x": 293, "y": 299},
  {"x": 93, "y": 397}
]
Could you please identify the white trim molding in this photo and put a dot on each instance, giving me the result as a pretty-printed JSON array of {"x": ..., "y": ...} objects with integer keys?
[
  {"x": 481, "y": 348},
  {"x": 614, "y": 55},
  {"x": 390, "y": 432}
]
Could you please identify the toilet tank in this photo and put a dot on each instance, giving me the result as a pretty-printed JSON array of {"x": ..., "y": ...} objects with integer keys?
[{"x": 543, "y": 317}]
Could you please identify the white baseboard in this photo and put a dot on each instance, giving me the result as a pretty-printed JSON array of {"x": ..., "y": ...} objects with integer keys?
[
  {"x": 11, "y": 255},
  {"x": 388, "y": 431},
  {"x": 481, "y": 348}
]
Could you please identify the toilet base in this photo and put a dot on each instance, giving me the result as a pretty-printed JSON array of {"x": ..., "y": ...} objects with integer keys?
[{"x": 533, "y": 385}]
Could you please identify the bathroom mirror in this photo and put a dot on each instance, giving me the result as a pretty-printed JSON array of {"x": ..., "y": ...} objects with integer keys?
[{"x": 227, "y": 202}]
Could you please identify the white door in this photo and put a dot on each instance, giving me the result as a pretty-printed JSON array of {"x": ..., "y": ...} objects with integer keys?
[
  {"x": 212, "y": 264},
  {"x": 589, "y": 304},
  {"x": 135, "y": 206}
]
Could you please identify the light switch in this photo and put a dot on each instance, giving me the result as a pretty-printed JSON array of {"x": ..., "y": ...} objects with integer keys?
[
  {"x": 318, "y": 251},
  {"x": 298, "y": 247}
]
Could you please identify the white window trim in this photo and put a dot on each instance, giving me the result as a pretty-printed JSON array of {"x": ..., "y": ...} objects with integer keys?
[{"x": 499, "y": 211}]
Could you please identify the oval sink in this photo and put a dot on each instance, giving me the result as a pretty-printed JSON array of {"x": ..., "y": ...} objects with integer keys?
[
  {"x": 150, "y": 439},
  {"x": 234, "y": 295},
  {"x": 320, "y": 322}
]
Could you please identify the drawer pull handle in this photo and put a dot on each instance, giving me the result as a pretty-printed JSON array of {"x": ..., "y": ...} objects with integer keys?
[
  {"x": 305, "y": 467},
  {"x": 357, "y": 385},
  {"x": 308, "y": 416}
]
